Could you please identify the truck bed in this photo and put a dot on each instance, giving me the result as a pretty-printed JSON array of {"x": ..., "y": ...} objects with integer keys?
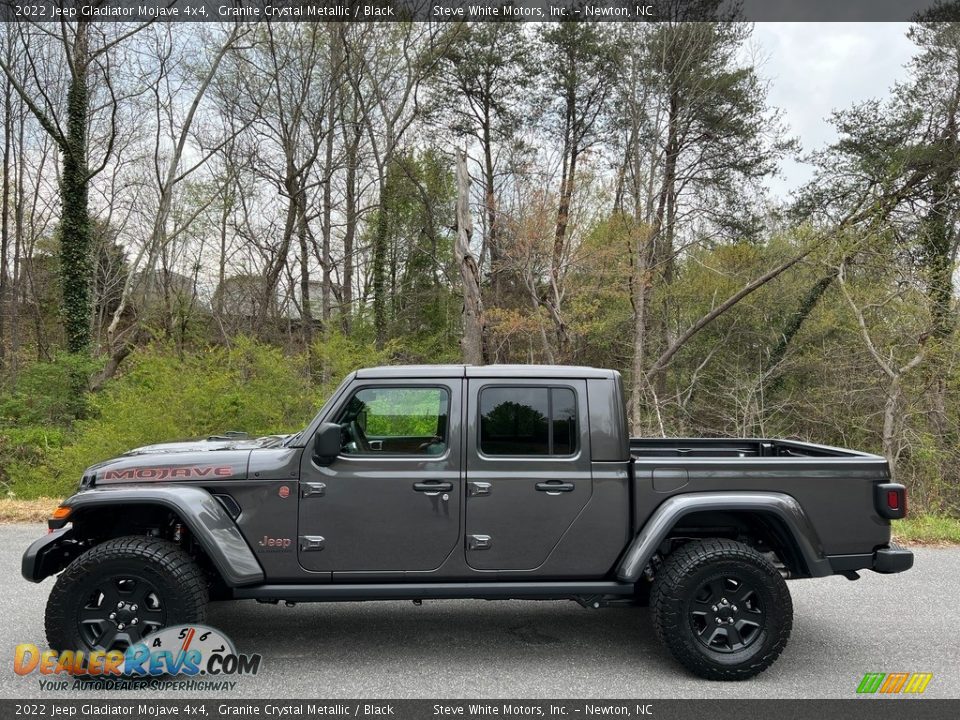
[
  {"x": 644, "y": 448},
  {"x": 835, "y": 486}
]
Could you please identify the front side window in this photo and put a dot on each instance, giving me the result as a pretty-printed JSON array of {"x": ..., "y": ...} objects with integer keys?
[
  {"x": 528, "y": 421},
  {"x": 396, "y": 421}
]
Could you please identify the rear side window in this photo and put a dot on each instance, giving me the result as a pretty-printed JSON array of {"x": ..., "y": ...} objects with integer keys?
[{"x": 528, "y": 421}]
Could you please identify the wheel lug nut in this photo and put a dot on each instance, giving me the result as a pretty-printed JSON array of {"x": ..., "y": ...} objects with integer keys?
[
  {"x": 120, "y": 626},
  {"x": 135, "y": 621},
  {"x": 723, "y": 601},
  {"x": 734, "y": 608},
  {"x": 714, "y": 608},
  {"x": 113, "y": 616},
  {"x": 133, "y": 607},
  {"x": 120, "y": 605}
]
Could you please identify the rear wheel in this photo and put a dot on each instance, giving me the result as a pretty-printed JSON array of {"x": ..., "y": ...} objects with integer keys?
[
  {"x": 121, "y": 591},
  {"x": 722, "y": 609}
]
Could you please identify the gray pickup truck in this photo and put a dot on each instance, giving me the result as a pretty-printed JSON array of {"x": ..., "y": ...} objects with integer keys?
[{"x": 452, "y": 481}]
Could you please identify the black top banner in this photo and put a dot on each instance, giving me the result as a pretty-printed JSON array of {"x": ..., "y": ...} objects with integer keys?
[{"x": 479, "y": 10}]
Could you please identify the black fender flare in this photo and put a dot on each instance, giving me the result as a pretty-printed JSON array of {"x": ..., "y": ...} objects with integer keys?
[
  {"x": 781, "y": 506},
  {"x": 211, "y": 526}
]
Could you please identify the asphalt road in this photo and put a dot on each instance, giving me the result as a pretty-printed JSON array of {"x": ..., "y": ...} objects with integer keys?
[{"x": 477, "y": 649}]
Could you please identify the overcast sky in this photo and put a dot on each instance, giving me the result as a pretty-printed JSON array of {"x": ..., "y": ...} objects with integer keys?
[{"x": 815, "y": 68}]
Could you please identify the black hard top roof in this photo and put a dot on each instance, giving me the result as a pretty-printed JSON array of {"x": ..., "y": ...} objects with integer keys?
[{"x": 484, "y": 371}]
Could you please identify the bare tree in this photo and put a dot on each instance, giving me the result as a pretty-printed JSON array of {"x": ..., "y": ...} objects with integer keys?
[
  {"x": 472, "y": 340},
  {"x": 893, "y": 370},
  {"x": 169, "y": 172},
  {"x": 86, "y": 50}
]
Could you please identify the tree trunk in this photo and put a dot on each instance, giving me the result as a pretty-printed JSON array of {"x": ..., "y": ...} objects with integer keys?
[
  {"x": 891, "y": 409},
  {"x": 335, "y": 68},
  {"x": 75, "y": 266},
  {"x": 5, "y": 216},
  {"x": 350, "y": 229},
  {"x": 641, "y": 285},
  {"x": 472, "y": 340},
  {"x": 306, "y": 312},
  {"x": 663, "y": 241},
  {"x": 379, "y": 266},
  {"x": 490, "y": 206},
  {"x": 222, "y": 260},
  {"x": 18, "y": 238},
  {"x": 559, "y": 243}
]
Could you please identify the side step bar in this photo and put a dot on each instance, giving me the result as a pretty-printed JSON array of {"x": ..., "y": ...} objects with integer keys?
[{"x": 431, "y": 591}]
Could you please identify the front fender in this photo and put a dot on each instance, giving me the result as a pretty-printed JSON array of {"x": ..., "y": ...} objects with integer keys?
[
  {"x": 203, "y": 514},
  {"x": 783, "y": 507}
]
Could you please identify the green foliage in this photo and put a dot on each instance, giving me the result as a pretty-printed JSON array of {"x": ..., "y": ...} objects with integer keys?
[
  {"x": 47, "y": 393},
  {"x": 248, "y": 386},
  {"x": 928, "y": 529},
  {"x": 335, "y": 356},
  {"x": 47, "y": 439},
  {"x": 38, "y": 410}
]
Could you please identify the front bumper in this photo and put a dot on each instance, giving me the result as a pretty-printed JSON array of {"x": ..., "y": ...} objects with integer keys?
[
  {"x": 47, "y": 555},
  {"x": 887, "y": 560}
]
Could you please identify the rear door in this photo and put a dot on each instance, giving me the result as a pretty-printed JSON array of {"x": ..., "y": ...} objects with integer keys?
[
  {"x": 528, "y": 469},
  {"x": 390, "y": 502}
]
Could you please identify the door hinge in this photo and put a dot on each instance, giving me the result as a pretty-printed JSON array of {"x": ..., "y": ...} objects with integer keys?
[
  {"x": 311, "y": 543},
  {"x": 314, "y": 489},
  {"x": 475, "y": 488},
  {"x": 478, "y": 542}
]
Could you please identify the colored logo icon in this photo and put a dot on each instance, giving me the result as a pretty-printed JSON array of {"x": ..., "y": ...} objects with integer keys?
[{"x": 894, "y": 683}]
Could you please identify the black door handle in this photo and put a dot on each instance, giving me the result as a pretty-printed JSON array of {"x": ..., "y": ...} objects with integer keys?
[
  {"x": 433, "y": 486},
  {"x": 553, "y": 486}
]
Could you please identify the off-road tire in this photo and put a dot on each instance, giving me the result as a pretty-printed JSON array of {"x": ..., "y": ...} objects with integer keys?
[
  {"x": 175, "y": 579},
  {"x": 677, "y": 597}
]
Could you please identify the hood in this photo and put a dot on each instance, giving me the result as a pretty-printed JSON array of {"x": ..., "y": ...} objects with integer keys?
[
  {"x": 229, "y": 441},
  {"x": 216, "y": 458}
]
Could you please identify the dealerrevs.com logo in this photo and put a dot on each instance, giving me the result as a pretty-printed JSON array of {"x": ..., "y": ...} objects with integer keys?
[{"x": 181, "y": 650}]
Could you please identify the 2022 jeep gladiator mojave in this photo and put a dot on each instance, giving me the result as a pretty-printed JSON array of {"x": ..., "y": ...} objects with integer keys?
[{"x": 494, "y": 482}]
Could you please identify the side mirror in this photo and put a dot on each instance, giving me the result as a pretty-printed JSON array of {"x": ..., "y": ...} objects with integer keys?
[{"x": 326, "y": 443}]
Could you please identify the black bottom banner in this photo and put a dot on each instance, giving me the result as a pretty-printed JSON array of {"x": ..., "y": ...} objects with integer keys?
[{"x": 859, "y": 709}]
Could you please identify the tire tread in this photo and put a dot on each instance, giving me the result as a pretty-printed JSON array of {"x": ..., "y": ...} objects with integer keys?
[
  {"x": 191, "y": 584},
  {"x": 667, "y": 595}
]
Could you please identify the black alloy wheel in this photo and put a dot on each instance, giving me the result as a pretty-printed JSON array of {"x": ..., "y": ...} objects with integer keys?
[
  {"x": 726, "y": 613},
  {"x": 120, "y": 612}
]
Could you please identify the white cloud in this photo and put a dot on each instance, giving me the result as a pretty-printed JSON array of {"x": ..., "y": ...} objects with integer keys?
[{"x": 815, "y": 68}]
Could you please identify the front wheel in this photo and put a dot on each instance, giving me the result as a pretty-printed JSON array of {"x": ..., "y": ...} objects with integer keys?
[
  {"x": 122, "y": 590},
  {"x": 722, "y": 609}
]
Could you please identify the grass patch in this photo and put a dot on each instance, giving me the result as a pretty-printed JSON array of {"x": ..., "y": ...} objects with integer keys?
[
  {"x": 928, "y": 530},
  {"x": 26, "y": 511}
]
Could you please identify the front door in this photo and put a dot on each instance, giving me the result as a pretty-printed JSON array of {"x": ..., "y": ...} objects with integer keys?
[
  {"x": 528, "y": 473},
  {"x": 390, "y": 502}
]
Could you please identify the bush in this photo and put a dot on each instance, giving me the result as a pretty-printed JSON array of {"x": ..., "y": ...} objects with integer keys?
[
  {"x": 48, "y": 393},
  {"x": 160, "y": 397},
  {"x": 37, "y": 411},
  {"x": 50, "y": 432}
]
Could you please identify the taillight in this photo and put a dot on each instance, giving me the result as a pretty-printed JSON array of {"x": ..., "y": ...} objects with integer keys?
[{"x": 891, "y": 500}]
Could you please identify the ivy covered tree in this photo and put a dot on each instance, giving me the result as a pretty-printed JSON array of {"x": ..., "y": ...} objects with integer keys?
[{"x": 86, "y": 51}]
